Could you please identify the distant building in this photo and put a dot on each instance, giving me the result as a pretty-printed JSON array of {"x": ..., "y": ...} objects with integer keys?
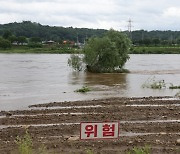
[
  {"x": 48, "y": 42},
  {"x": 66, "y": 42},
  {"x": 16, "y": 43},
  {"x": 80, "y": 45}
]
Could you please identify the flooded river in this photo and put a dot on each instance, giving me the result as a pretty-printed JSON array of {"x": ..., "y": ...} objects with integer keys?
[{"x": 27, "y": 79}]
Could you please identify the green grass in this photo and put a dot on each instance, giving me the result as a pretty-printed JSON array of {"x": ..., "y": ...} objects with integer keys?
[
  {"x": 84, "y": 89},
  {"x": 49, "y": 50},
  {"x": 174, "y": 87},
  {"x": 24, "y": 144},
  {"x": 154, "y": 50},
  {"x": 57, "y": 50},
  {"x": 89, "y": 151},
  {"x": 140, "y": 150}
]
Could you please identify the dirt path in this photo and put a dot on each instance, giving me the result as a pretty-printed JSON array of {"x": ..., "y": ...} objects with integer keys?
[{"x": 153, "y": 121}]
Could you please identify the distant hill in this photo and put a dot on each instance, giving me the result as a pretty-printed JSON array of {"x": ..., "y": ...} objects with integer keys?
[
  {"x": 31, "y": 29},
  {"x": 45, "y": 32}
]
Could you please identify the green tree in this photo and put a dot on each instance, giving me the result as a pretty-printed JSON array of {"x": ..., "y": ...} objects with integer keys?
[
  {"x": 106, "y": 54},
  {"x": 165, "y": 42},
  {"x": 22, "y": 39},
  {"x": 147, "y": 41},
  {"x": 7, "y": 34},
  {"x": 30, "y": 29},
  {"x": 156, "y": 41},
  {"x": 4, "y": 44},
  {"x": 35, "y": 39},
  {"x": 12, "y": 38}
]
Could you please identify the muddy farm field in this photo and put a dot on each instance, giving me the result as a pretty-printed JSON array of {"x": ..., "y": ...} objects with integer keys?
[{"x": 152, "y": 121}]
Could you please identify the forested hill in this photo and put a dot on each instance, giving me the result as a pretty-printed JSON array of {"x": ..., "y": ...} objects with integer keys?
[
  {"x": 44, "y": 32},
  {"x": 30, "y": 29}
]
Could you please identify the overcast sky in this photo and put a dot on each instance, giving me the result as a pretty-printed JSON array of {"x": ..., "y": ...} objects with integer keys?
[{"x": 106, "y": 14}]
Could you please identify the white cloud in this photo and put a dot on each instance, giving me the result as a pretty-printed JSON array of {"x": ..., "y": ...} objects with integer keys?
[
  {"x": 146, "y": 14},
  {"x": 172, "y": 12}
]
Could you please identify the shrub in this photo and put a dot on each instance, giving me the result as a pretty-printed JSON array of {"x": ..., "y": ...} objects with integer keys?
[
  {"x": 106, "y": 54},
  {"x": 84, "y": 89}
]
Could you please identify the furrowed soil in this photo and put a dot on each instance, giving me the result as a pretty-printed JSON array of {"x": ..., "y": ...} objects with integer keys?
[{"x": 152, "y": 121}]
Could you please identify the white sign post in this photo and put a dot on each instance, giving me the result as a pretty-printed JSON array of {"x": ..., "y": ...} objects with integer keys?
[{"x": 99, "y": 130}]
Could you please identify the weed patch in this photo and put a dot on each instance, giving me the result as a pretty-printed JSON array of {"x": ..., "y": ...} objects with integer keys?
[
  {"x": 84, "y": 89},
  {"x": 174, "y": 87},
  {"x": 154, "y": 84},
  {"x": 89, "y": 151},
  {"x": 158, "y": 84},
  {"x": 24, "y": 144},
  {"x": 142, "y": 150}
]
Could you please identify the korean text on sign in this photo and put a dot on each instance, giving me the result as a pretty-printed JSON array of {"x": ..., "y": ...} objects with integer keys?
[{"x": 98, "y": 130}]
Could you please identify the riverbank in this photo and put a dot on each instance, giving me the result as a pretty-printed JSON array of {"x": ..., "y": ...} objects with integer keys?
[
  {"x": 45, "y": 50},
  {"x": 152, "y": 121},
  {"x": 66, "y": 50},
  {"x": 155, "y": 50}
]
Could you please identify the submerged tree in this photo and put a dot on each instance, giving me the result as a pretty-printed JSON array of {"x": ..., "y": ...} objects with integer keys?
[
  {"x": 106, "y": 54},
  {"x": 76, "y": 62}
]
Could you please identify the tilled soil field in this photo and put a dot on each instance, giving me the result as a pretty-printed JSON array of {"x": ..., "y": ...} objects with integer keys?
[{"x": 152, "y": 121}]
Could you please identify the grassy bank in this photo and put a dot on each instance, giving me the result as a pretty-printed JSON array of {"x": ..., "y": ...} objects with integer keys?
[
  {"x": 155, "y": 50},
  {"x": 56, "y": 50},
  {"x": 49, "y": 50}
]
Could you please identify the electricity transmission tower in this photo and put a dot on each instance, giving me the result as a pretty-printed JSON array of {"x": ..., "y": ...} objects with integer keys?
[{"x": 130, "y": 28}]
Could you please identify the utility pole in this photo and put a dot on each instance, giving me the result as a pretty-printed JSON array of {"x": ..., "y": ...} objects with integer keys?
[
  {"x": 130, "y": 28},
  {"x": 77, "y": 39}
]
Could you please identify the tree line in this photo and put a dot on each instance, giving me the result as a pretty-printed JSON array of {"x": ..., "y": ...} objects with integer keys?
[
  {"x": 155, "y": 38},
  {"x": 28, "y": 31},
  {"x": 44, "y": 32}
]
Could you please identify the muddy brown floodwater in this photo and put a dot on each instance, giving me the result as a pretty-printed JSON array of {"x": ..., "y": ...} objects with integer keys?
[
  {"x": 153, "y": 121},
  {"x": 27, "y": 79}
]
